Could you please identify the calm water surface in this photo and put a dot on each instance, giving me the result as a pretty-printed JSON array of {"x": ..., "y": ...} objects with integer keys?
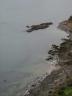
[{"x": 22, "y": 55}]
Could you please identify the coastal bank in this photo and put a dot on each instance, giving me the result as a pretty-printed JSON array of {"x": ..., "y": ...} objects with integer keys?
[{"x": 58, "y": 81}]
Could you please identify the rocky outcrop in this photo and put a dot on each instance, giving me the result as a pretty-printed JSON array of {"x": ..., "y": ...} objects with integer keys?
[
  {"x": 63, "y": 76},
  {"x": 57, "y": 79},
  {"x": 39, "y": 26},
  {"x": 66, "y": 25}
]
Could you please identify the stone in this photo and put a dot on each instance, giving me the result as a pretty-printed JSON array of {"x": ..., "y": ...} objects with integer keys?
[{"x": 39, "y": 26}]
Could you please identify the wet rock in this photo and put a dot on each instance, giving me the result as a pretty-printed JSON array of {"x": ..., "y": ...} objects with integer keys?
[
  {"x": 27, "y": 26},
  {"x": 5, "y": 81},
  {"x": 37, "y": 27},
  {"x": 26, "y": 93},
  {"x": 56, "y": 80}
]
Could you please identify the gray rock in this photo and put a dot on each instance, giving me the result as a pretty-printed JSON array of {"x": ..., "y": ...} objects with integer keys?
[{"x": 37, "y": 27}]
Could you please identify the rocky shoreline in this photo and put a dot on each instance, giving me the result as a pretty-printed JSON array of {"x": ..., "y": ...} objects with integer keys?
[
  {"x": 50, "y": 84},
  {"x": 35, "y": 84}
]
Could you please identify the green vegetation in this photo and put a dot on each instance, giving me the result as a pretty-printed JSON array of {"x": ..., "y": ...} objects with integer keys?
[
  {"x": 67, "y": 91},
  {"x": 59, "y": 82},
  {"x": 63, "y": 55}
]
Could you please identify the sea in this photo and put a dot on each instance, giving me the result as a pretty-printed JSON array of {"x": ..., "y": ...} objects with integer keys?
[{"x": 22, "y": 54}]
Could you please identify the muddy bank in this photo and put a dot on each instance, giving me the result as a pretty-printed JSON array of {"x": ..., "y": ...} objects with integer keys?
[{"x": 39, "y": 26}]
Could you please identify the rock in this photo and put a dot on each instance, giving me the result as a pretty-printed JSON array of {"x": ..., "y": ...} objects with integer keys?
[
  {"x": 5, "y": 81},
  {"x": 28, "y": 26},
  {"x": 51, "y": 83},
  {"x": 66, "y": 25},
  {"x": 70, "y": 19},
  {"x": 37, "y": 27},
  {"x": 33, "y": 85},
  {"x": 26, "y": 93}
]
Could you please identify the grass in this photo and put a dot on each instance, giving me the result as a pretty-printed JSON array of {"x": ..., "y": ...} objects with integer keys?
[{"x": 68, "y": 91}]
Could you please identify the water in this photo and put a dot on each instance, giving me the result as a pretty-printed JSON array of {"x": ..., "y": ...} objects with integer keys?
[{"x": 22, "y": 55}]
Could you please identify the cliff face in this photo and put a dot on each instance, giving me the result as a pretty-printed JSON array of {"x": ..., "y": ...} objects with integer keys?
[{"x": 66, "y": 25}]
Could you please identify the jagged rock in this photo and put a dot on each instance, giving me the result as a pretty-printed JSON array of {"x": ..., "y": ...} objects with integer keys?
[
  {"x": 66, "y": 25},
  {"x": 70, "y": 19},
  {"x": 37, "y": 27}
]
